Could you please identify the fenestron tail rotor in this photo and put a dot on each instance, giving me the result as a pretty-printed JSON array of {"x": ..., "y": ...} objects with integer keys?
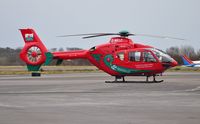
[{"x": 34, "y": 54}]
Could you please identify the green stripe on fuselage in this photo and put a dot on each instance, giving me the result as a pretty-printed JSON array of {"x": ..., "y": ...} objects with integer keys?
[{"x": 120, "y": 69}]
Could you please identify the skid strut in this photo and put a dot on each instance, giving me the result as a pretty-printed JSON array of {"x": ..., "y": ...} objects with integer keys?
[
  {"x": 154, "y": 80},
  {"x": 119, "y": 77}
]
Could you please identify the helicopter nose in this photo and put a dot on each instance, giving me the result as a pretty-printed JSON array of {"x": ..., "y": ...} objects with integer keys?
[{"x": 174, "y": 63}]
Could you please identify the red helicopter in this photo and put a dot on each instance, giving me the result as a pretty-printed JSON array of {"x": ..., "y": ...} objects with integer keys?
[{"x": 119, "y": 57}]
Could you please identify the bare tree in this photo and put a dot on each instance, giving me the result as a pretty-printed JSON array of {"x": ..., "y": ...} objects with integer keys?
[{"x": 61, "y": 49}]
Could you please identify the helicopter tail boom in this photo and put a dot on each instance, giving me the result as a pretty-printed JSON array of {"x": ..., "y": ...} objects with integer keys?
[{"x": 76, "y": 54}]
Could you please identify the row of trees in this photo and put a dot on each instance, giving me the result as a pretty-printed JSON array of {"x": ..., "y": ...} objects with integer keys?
[
  {"x": 176, "y": 52},
  {"x": 9, "y": 56}
]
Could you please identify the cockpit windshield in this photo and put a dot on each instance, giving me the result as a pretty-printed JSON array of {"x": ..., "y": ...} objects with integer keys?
[{"x": 162, "y": 56}]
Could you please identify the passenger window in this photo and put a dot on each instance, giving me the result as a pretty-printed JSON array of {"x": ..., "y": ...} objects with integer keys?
[
  {"x": 148, "y": 57},
  {"x": 121, "y": 56},
  {"x": 134, "y": 56}
]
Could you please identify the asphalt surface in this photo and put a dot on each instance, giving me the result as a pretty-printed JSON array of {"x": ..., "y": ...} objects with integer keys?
[{"x": 84, "y": 98}]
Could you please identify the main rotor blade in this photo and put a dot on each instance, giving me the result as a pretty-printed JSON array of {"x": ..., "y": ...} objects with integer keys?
[
  {"x": 79, "y": 35},
  {"x": 99, "y": 35},
  {"x": 126, "y": 34},
  {"x": 157, "y": 36}
]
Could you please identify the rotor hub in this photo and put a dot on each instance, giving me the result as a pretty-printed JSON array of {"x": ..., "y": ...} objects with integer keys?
[
  {"x": 124, "y": 33},
  {"x": 34, "y": 54}
]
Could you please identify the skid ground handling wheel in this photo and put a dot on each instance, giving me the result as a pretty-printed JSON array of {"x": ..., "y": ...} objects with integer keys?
[{"x": 35, "y": 74}]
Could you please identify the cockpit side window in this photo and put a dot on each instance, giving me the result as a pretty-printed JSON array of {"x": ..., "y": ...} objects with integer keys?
[
  {"x": 120, "y": 56},
  {"x": 162, "y": 56},
  {"x": 148, "y": 57},
  {"x": 134, "y": 56}
]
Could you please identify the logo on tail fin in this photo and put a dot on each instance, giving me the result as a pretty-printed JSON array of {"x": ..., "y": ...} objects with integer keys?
[
  {"x": 29, "y": 37},
  {"x": 186, "y": 60}
]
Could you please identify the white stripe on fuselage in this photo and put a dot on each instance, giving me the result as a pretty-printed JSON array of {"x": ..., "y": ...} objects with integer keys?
[
  {"x": 197, "y": 66},
  {"x": 196, "y": 62}
]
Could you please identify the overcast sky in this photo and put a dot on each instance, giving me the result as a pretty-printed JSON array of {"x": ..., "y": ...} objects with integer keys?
[{"x": 176, "y": 18}]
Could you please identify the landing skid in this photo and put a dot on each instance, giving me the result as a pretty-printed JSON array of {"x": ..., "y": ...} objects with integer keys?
[
  {"x": 123, "y": 80},
  {"x": 134, "y": 81}
]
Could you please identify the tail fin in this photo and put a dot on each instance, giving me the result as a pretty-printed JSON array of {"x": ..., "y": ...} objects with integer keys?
[
  {"x": 186, "y": 60},
  {"x": 33, "y": 53}
]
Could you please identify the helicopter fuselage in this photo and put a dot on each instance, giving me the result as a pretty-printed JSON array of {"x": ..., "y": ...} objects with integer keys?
[{"x": 122, "y": 57}]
